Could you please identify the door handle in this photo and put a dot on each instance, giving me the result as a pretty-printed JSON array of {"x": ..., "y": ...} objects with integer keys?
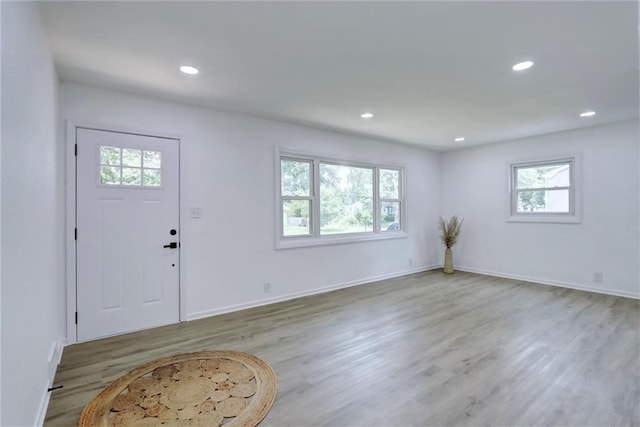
[{"x": 172, "y": 245}]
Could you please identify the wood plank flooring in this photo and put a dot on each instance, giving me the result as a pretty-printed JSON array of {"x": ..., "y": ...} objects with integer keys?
[{"x": 426, "y": 349}]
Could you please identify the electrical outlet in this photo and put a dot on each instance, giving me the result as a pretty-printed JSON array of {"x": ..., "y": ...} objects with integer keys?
[
  {"x": 267, "y": 287},
  {"x": 195, "y": 213},
  {"x": 597, "y": 277},
  {"x": 410, "y": 262}
]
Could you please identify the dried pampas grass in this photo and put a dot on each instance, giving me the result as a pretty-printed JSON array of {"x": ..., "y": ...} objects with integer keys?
[{"x": 449, "y": 230}]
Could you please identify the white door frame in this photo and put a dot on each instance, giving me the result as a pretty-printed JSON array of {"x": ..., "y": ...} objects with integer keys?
[{"x": 71, "y": 200}]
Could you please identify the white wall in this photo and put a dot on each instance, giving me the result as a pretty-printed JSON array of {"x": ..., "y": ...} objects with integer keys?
[
  {"x": 227, "y": 169},
  {"x": 0, "y": 215},
  {"x": 32, "y": 245},
  {"x": 475, "y": 186}
]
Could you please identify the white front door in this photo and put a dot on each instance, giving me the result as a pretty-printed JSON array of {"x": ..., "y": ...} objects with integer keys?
[{"x": 127, "y": 249}]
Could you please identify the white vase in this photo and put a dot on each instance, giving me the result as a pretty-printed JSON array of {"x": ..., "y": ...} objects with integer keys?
[{"x": 448, "y": 261}]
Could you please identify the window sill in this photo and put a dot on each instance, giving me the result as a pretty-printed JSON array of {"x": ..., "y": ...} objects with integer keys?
[
  {"x": 552, "y": 219},
  {"x": 304, "y": 242}
]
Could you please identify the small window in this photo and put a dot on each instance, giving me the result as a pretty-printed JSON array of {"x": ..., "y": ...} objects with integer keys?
[
  {"x": 390, "y": 200},
  {"x": 543, "y": 191},
  {"x": 295, "y": 182},
  {"x": 129, "y": 167}
]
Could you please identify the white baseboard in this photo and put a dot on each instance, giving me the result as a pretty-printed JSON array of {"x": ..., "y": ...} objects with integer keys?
[
  {"x": 231, "y": 308},
  {"x": 53, "y": 360},
  {"x": 547, "y": 282}
]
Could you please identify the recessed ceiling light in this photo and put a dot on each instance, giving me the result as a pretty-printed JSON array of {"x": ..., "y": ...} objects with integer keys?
[
  {"x": 588, "y": 114},
  {"x": 366, "y": 115},
  {"x": 189, "y": 69},
  {"x": 459, "y": 139},
  {"x": 520, "y": 66}
]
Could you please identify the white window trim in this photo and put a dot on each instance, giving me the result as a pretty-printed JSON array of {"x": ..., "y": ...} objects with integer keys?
[
  {"x": 315, "y": 239},
  {"x": 575, "y": 192}
]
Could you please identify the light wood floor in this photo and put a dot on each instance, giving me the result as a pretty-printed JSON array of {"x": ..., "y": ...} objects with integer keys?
[{"x": 422, "y": 350}]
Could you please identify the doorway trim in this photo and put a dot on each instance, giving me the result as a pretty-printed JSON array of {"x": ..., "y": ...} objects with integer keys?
[{"x": 71, "y": 218}]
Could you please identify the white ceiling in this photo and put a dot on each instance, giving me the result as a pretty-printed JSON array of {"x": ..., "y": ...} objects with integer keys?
[{"x": 429, "y": 71}]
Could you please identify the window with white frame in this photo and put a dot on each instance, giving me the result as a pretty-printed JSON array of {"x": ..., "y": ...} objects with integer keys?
[
  {"x": 296, "y": 177},
  {"x": 323, "y": 200},
  {"x": 129, "y": 167},
  {"x": 544, "y": 190},
  {"x": 346, "y": 199},
  {"x": 390, "y": 202}
]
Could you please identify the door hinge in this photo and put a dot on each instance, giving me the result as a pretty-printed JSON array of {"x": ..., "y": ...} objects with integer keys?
[
  {"x": 75, "y": 150},
  {"x": 75, "y": 234},
  {"x": 76, "y": 317}
]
